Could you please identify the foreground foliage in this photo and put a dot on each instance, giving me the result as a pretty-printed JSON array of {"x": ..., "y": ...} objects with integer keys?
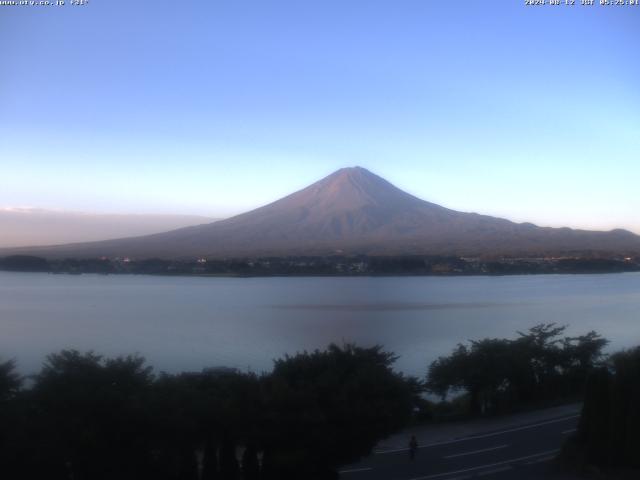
[
  {"x": 501, "y": 374},
  {"x": 89, "y": 417},
  {"x": 609, "y": 431}
]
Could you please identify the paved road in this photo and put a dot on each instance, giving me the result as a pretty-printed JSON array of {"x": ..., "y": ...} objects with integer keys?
[{"x": 518, "y": 451}]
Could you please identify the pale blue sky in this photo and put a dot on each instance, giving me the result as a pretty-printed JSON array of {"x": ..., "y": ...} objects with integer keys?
[{"x": 215, "y": 107}]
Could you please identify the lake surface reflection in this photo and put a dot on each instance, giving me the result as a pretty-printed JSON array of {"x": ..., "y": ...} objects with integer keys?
[{"x": 187, "y": 323}]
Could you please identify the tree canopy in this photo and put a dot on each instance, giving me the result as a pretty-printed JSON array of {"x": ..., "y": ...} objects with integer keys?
[
  {"x": 609, "y": 430},
  {"x": 89, "y": 417},
  {"x": 498, "y": 374}
]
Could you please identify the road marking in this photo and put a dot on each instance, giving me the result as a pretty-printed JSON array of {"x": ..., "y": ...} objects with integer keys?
[
  {"x": 566, "y": 432},
  {"x": 490, "y": 465},
  {"x": 476, "y": 451},
  {"x": 354, "y": 470},
  {"x": 476, "y": 437},
  {"x": 540, "y": 460},
  {"x": 495, "y": 470}
]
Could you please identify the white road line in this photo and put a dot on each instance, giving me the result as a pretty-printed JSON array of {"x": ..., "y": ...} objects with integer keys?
[
  {"x": 476, "y": 451},
  {"x": 495, "y": 470},
  {"x": 354, "y": 470},
  {"x": 540, "y": 460},
  {"x": 566, "y": 432},
  {"x": 490, "y": 465},
  {"x": 486, "y": 435}
]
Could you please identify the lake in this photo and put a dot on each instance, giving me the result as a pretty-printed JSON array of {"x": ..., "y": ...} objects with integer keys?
[{"x": 187, "y": 323}]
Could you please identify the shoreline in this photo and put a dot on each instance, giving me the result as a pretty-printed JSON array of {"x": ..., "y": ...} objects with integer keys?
[{"x": 331, "y": 275}]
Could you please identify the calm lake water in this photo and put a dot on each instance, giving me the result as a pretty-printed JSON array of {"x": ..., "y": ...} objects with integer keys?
[{"x": 187, "y": 323}]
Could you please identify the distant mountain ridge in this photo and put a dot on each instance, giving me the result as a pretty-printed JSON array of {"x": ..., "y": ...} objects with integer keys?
[
  {"x": 353, "y": 211},
  {"x": 21, "y": 226}
]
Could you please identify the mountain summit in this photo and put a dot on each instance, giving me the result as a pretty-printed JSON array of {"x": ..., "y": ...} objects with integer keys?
[{"x": 353, "y": 211}]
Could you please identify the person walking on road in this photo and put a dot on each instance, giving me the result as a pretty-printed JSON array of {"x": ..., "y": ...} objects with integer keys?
[{"x": 413, "y": 447}]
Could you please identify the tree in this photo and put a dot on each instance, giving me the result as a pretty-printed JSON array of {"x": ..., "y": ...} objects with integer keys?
[
  {"x": 250, "y": 464},
  {"x": 483, "y": 370},
  {"x": 210, "y": 411},
  {"x": 498, "y": 374},
  {"x": 329, "y": 408},
  {"x": 581, "y": 355},
  {"x": 93, "y": 418},
  {"x": 10, "y": 381},
  {"x": 10, "y": 417},
  {"x": 89, "y": 416},
  {"x": 625, "y": 409},
  {"x": 24, "y": 263},
  {"x": 609, "y": 430}
]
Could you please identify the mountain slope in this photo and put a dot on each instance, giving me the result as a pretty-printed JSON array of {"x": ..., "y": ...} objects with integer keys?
[{"x": 353, "y": 211}]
